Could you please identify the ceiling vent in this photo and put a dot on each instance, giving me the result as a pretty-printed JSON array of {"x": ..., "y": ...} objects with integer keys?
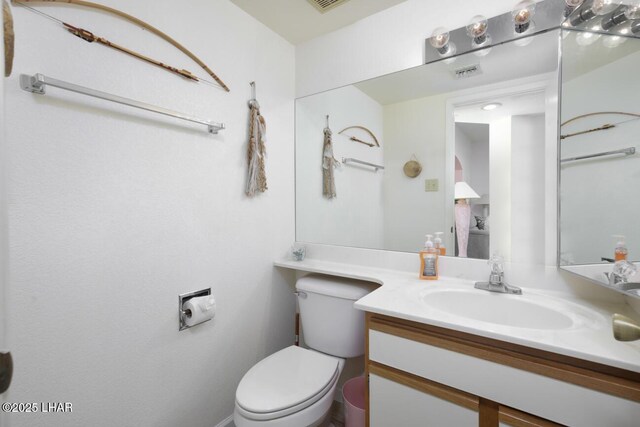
[
  {"x": 325, "y": 5},
  {"x": 465, "y": 72}
]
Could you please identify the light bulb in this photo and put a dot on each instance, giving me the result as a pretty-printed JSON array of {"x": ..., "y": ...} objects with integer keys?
[
  {"x": 440, "y": 41},
  {"x": 633, "y": 10},
  {"x": 477, "y": 30},
  {"x": 571, "y": 5},
  {"x": 618, "y": 16},
  {"x": 522, "y": 15},
  {"x": 602, "y": 7}
]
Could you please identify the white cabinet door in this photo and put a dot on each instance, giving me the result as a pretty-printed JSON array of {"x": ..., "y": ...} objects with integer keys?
[{"x": 394, "y": 404}]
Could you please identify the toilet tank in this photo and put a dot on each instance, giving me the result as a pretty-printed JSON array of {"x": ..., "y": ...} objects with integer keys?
[{"x": 330, "y": 323}]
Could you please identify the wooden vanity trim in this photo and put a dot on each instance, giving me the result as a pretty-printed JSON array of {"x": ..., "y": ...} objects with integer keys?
[
  {"x": 515, "y": 418},
  {"x": 367, "y": 411},
  {"x": 606, "y": 379},
  {"x": 433, "y": 388},
  {"x": 488, "y": 413}
]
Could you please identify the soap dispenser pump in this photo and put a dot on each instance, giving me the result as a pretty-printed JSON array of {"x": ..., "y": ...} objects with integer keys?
[
  {"x": 439, "y": 246},
  {"x": 429, "y": 260}
]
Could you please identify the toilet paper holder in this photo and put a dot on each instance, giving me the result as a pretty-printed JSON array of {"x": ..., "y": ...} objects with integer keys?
[{"x": 182, "y": 313}]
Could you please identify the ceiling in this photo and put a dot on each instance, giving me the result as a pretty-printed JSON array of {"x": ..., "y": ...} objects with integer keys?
[{"x": 298, "y": 21}]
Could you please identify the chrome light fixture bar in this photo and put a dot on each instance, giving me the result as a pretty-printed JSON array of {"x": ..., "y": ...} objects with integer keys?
[
  {"x": 484, "y": 33},
  {"x": 592, "y": 8}
]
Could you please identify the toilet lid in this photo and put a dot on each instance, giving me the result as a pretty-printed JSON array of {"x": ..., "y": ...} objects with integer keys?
[{"x": 286, "y": 379}]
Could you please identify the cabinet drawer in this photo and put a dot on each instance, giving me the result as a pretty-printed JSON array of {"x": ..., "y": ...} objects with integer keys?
[
  {"x": 394, "y": 404},
  {"x": 549, "y": 398}
]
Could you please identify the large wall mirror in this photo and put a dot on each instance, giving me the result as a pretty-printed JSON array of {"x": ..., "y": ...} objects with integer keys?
[
  {"x": 600, "y": 161},
  {"x": 466, "y": 146}
]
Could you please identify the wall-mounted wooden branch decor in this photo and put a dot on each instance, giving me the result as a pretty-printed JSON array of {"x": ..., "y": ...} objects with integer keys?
[
  {"x": 89, "y": 37},
  {"x": 7, "y": 24},
  {"x": 599, "y": 128},
  {"x": 353, "y": 138}
]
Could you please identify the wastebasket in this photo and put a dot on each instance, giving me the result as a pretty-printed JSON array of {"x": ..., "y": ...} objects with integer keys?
[{"x": 353, "y": 398}]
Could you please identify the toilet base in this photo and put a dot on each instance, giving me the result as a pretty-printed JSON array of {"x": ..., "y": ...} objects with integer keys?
[{"x": 316, "y": 415}]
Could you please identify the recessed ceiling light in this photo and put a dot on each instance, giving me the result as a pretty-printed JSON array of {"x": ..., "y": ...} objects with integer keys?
[{"x": 491, "y": 106}]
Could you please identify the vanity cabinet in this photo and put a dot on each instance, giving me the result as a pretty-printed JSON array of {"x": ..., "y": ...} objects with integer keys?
[{"x": 422, "y": 375}]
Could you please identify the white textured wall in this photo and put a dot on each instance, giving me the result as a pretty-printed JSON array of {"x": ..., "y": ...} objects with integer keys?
[
  {"x": 355, "y": 216},
  {"x": 115, "y": 212},
  {"x": 391, "y": 40},
  {"x": 3, "y": 222}
]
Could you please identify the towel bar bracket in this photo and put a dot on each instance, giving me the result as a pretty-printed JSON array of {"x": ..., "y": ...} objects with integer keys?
[{"x": 33, "y": 84}]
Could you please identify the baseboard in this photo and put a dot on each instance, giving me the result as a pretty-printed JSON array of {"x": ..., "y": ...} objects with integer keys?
[
  {"x": 337, "y": 411},
  {"x": 227, "y": 422}
]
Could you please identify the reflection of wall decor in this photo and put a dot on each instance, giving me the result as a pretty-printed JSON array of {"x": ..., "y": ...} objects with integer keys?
[
  {"x": 412, "y": 168},
  {"x": 599, "y": 128},
  {"x": 353, "y": 138},
  {"x": 7, "y": 21},
  {"x": 329, "y": 163},
  {"x": 81, "y": 33}
]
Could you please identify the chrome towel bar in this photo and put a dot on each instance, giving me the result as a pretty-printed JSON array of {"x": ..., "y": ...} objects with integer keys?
[
  {"x": 625, "y": 151},
  {"x": 38, "y": 82},
  {"x": 360, "y": 162}
]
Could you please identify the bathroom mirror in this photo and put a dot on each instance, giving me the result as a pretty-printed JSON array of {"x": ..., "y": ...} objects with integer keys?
[
  {"x": 483, "y": 128},
  {"x": 600, "y": 161}
]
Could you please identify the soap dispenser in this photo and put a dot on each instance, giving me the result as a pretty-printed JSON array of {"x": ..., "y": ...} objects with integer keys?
[
  {"x": 621, "y": 251},
  {"x": 439, "y": 246},
  {"x": 429, "y": 260}
]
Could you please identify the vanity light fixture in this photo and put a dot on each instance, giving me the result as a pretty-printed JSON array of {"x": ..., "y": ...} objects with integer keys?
[
  {"x": 589, "y": 11},
  {"x": 522, "y": 15},
  {"x": 491, "y": 106},
  {"x": 477, "y": 30},
  {"x": 621, "y": 15},
  {"x": 571, "y": 5},
  {"x": 440, "y": 41}
]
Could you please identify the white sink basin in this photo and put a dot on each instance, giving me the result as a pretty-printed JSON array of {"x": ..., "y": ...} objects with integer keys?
[{"x": 530, "y": 311}]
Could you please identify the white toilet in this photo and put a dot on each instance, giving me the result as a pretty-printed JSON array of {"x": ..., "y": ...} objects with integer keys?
[{"x": 295, "y": 386}]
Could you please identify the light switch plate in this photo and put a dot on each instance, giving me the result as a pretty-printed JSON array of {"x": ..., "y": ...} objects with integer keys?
[{"x": 431, "y": 185}]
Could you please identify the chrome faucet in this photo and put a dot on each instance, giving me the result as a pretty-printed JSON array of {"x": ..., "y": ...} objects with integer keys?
[
  {"x": 496, "y": 281},
  {"x": 619, "y": 277}
]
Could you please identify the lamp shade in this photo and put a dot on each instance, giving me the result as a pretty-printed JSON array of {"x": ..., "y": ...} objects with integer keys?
[{"x": 464, "y": 191}]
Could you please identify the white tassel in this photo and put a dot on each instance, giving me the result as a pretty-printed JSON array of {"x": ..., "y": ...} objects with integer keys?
[{"x": 256, "y": 177}]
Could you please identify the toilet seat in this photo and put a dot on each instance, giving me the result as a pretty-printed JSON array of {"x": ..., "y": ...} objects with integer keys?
[{"x": 285, "y": 383}]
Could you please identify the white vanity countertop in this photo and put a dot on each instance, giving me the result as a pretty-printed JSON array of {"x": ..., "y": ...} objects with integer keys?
[{"x": 401, "y": 296}]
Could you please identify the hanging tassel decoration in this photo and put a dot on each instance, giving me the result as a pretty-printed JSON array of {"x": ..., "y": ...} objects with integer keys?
[
  {"x": 256, "y": 178},
  {"x": 329, "y": 163}
]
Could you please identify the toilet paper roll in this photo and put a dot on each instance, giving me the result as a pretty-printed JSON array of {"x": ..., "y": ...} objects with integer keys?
[{"x": 202, "y": 309}]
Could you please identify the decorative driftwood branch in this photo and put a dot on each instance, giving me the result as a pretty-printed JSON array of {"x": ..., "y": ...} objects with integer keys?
[
  {"x": 90, "y": 37},
  {"x": 136, "y": 21},
  {"x": 7, "y": 24},
  {"x": 353, "y": 138}
]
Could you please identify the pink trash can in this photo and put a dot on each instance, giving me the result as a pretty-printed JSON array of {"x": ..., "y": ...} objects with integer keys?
[{"x": 353, "y": 398}]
